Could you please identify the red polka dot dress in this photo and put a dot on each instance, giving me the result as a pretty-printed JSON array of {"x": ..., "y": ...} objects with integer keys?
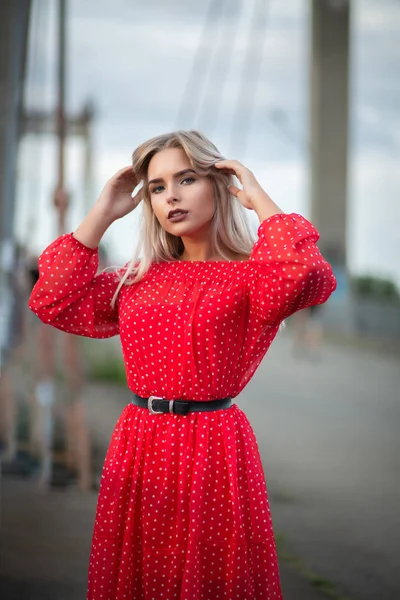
[{"x": 183, "y": 510}]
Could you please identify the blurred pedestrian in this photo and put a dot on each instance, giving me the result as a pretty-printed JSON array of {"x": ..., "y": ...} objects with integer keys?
[
  {"x": 17, "y": 331},
  {"x": 183, "y": 508},
  {"x": 20, "y": 386},
  {"x": 78, "y": 460},
  {"x": 48, "y": 393}
]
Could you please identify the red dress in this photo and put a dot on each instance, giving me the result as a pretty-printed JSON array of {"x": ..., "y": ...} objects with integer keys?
[{"x": 183, "y": 510}]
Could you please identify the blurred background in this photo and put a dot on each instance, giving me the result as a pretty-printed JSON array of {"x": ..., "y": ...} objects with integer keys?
[{"x": 306, "y": 93}]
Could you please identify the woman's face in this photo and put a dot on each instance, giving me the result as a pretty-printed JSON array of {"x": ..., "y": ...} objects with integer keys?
[{"x": 182, "y": 201}]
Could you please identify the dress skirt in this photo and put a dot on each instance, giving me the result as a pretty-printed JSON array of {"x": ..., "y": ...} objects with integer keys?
[{"x": 183, "y": 511}]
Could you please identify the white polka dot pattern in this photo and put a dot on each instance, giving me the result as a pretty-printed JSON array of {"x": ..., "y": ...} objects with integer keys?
[
  {"x": 183, "y": 510},
  {"x": 69, "y": 295}
]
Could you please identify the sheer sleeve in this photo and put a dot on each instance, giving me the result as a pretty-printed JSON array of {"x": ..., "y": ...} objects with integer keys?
[
  {"x": 69, "y": 295},
  {"x": 287, "y": 271}
]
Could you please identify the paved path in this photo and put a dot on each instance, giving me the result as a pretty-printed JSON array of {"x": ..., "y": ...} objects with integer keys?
[{"x": 328, "y": 434}]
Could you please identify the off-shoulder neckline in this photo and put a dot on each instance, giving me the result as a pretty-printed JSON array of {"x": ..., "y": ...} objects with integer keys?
[{"x": 202, "y": 262}]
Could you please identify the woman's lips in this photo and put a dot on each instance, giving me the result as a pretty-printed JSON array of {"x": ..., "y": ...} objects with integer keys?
[{"x": 177, "y": 217}]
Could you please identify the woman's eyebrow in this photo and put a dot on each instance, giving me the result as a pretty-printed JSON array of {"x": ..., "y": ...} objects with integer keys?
[{"x": 179, "y": 174}]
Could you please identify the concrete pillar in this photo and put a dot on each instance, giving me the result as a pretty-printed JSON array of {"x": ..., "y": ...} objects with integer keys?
[
  {"x": 329, "y": 125},
  {"x": 14, "y": 17}
]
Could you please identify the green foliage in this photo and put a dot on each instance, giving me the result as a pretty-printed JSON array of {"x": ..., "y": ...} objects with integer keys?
[
  {"x": 111, "y": 370},
  {"x": 379, "y": 288}
]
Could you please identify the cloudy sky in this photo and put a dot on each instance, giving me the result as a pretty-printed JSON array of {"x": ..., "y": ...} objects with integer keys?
[{"x": 241, "y": 76}]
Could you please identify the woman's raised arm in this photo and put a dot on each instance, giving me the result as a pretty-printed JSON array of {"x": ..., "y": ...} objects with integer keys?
[
  {"x": 287, "y": 272},
  {"x": 69, "y": 295}
]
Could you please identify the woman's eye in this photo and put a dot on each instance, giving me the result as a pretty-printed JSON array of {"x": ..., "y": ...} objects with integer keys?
[{"x": 157, "y": 189}]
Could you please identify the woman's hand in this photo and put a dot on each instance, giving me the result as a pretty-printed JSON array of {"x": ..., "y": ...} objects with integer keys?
[
  {"x": 114, "y": 202},
  {"x": 116, "y": 199},
  {"x": 252, "y": 195}
]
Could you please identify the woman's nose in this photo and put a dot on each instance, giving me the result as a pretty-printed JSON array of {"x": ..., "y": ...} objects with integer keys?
[{"x": 172, "y": 199}]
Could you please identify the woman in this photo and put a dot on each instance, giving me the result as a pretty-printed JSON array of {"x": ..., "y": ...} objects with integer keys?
[{"x": 183, "y": 510}]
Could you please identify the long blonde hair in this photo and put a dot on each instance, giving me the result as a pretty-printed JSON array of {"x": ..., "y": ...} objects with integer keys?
[{"x": 229, "y": 229}]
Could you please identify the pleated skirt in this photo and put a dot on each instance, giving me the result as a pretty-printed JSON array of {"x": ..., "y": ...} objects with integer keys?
[{"x": 183, "y": 511}]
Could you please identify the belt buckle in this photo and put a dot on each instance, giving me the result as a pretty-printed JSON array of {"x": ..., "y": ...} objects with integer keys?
[
  {"x": 159, "y": 412},
  {"x": 150, "y": 405}
]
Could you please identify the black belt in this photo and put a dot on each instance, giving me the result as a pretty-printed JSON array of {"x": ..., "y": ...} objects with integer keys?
[{"x": 157, "y": 405}]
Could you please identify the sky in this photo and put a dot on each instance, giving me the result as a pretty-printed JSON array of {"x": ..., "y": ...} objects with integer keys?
[{"x": 149, "y": 67}]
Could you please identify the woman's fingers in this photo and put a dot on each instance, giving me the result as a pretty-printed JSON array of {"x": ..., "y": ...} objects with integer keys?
[
  {"x": 234, "y": 190},
  {"x": 228, "y": 164},
  {"x": 225, "y": 169},
  {"x": 240, "y": 195},
  {"x": 125, "y": 174},
  {"x": 138, "y": 197},
  {"x": 232, "y": 167},
  {"x": 251, "y": 189}
]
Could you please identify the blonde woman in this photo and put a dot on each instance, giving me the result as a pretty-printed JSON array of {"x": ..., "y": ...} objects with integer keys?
[{"x": 183, "y": 509}]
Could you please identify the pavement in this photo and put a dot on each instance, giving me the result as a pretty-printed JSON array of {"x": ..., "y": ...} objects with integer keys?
[
  {"x": 328, "y": 437},
  {"x": 328, "y": 434}
]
